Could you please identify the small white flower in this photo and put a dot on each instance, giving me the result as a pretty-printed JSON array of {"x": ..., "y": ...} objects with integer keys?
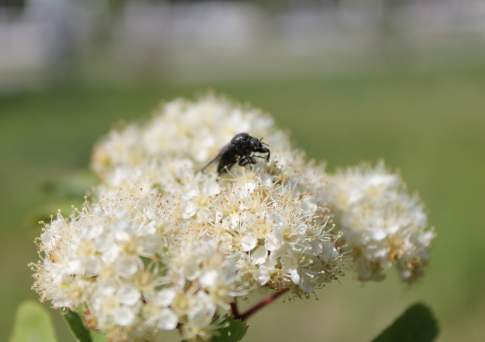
[
  {"x": 274, "y": 241},
  {"x": 259, "y": 255},
  {"x": 201, "y": 310},
  {"x": 168, "y": 320},
  {"x": 74, "y": 267},
  {"x": 123, "y": 316},
  {"x": 165, "y": 297},
  {"x": 211, "y": 188},
  {"x": 263, "y": 274},
  {"x": 248, "y": 242},
  {"x": 127, "y": 266},
  {"x": 209, "y": 278},
  {"x": 128, "y": 295},
  {"x": 189, "y": 210}
]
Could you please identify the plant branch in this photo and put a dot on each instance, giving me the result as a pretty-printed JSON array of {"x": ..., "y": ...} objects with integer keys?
[
  {"x": 258, "y": 306},
  {"x": 235, "y": 309}
]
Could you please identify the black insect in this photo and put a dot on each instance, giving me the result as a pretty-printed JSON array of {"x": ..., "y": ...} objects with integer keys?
[{"x": 241, "y": 150}]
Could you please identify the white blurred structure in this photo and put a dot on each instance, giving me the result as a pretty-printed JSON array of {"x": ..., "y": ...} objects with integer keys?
[
  {"x": 190, "y": 40},
  {"x": 46, "y": 35}
]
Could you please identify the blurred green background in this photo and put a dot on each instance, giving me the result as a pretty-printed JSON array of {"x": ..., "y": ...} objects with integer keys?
[
  {"x": 421, "y": 112},
  {"x": 430, "y": 125}
]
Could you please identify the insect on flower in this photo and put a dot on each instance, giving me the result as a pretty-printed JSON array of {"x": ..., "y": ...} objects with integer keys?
[{"x": 242, "y": 150}]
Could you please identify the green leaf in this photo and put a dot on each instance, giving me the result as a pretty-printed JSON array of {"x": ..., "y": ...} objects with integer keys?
[
  {"x": 72, "y": 185},
  {"x": 62, "y": 194},
  {"x": 32, "y": 324},
  {"x": 77, "y": 327},
  {"x": 98, "y": 337},
  {"x": 46, "y": 212},
  {"x": 416, "y": 324},
  {"x": 232, "y": 330}
]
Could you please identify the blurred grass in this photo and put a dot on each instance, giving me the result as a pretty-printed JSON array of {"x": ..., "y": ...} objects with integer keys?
[{"x": 430, "y": 125}]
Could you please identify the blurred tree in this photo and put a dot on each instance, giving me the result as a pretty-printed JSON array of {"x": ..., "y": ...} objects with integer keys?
[
  {"x": 14, "y": 7},
  {"x": 13, "y": 3}
]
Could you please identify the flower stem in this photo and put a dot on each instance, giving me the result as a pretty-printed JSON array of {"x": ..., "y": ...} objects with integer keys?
[
  {"x": 235, "y": 309},
  {"x": 256, "y": 307}
]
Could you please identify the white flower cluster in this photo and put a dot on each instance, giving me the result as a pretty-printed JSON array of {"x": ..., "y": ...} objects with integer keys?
[
  {"x": 163, "y": 246},
  {"x": 195, "y": 130},
  {"x": 381, "y": 223}
]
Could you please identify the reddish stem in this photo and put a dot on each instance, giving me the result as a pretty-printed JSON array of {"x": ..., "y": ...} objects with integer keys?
[
  {"x": 235, "y": 309},
  {"x": 258, "y": 306}
]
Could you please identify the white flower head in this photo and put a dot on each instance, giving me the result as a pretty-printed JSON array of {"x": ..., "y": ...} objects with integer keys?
[
  {"x": 381, "y": 222},
  {"x": 162, "y": 245}
]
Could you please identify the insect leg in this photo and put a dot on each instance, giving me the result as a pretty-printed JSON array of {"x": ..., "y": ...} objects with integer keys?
[
  {"x": 225, "y": 165},
  {"x": 243, "y": 161},
  {"x": 268, "y": 154},
  {"x": 266, "y": 157}
]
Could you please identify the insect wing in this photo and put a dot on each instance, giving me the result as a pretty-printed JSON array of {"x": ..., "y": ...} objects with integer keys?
[{"x": 216, "y": 158}]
